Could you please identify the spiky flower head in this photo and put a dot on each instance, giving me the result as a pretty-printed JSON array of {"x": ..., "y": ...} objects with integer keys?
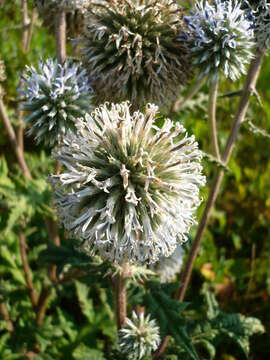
[
  {"x": 168, "y": 267},
  {"x": 55, "y": 97},
  {"x": 130, "y": 189},
  {"x": 139, "y": 337},
  {"x": 221, "y": 38},
  {"x": 131, "y": 49},
  {"x": 260, "y": 10}
]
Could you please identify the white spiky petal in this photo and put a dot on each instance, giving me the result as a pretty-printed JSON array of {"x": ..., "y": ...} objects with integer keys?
[
  {"x": 139, "y": 337},
  {"x": 130, "y": 189},
  {"x": 221, "y": 38}
]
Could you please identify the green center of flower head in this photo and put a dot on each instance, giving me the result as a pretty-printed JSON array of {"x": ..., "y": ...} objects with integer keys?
[
  {"x": 131, "y": 49},
  {"x": 130, "y": 188}
]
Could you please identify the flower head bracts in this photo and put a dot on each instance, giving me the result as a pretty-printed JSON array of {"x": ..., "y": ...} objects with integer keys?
[
  {"x": 221, "y": 38},
  {"x": 168, "y": 267},
  {"x": 139, "y": 337},
  {"x": 130, "y": 189},
  {"x": 131, "y": 49},
  {"x": 55, "y": 97}
]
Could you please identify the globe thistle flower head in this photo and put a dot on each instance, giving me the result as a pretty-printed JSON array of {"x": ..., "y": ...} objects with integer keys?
[
  {"x": 55, "y": 96},
  {"x": 131, "y": 49},
  {"x": 130, "y": 189},
  {"x": 139, "y": 337},
  {"x": 221, "y": 38},
  {"x": 260, "y": 10},
  {"x": 168, "y": 267}
]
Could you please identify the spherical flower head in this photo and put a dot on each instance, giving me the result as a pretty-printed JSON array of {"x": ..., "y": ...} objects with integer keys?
[
  {"x": 168, "y": 267},
  {"x": 55, "y": 97},
  {"x": 260, "y": 10},
  {"x": 131, "y": 49},
  {"x": 130, "y": 189},
  {"x": 139, "y": 337},
  {"x": 221, "y": 38}
]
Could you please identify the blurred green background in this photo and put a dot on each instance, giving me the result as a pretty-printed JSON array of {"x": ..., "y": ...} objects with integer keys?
[{"x": 234, "y": 258}]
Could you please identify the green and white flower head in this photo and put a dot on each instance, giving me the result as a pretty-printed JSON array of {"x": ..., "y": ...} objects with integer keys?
[
  {"x": 168, "y": 267},
  {"x": 130, "y": 189},
  {"x": 139, "y": 337},
  {"x": 260, "y": 10},
  {"x": 221, "y": 38},
  {"x": 55, "y": 96},
  {"x": 131, "y": 49}
]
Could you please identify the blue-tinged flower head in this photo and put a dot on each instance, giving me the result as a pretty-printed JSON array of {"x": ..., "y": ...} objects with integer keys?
[
  {"x": 260, "y": 10},
  {"x": 221, "y": 38},
  {"x": 129, "y": 189},
  {"x": 139, "y": 337},
  {"x": 55, "y": 96}
]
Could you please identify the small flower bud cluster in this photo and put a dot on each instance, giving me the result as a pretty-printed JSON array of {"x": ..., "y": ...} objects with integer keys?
[{"x": 139, "y": 337}]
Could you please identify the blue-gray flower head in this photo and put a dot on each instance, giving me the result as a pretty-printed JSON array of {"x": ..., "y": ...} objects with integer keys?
[
  {"x": 131, "y": 49},
  {"x": 139, "y": 337},
  {"x": 130, "y": 189},
  {"x": 260, "y": 10},
  {"x": 221, "y": 37},
  {"x": 55, "y": 97},
  {"x": 168, "y": 267}
]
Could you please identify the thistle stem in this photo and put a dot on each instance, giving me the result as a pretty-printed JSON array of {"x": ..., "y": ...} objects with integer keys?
[
  {"x": 121, "y": 296},
  {"x": 12, "y": 137},
  {"x": 212, "y": 105},
  {"x": 5, "y": 315},
  {"x": 60, "y": 35},
  {"x": 32, "y": 291},
  {"x": 249, "y": 88}
]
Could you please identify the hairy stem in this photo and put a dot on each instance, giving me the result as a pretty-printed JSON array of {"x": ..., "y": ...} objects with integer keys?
[
  {"x": 60, "y": 35},
  {"x": 24, "y": 6},
  {"x": 5, "y": 315},
  {"x": 121, "y": 301},
  {"x": 12, "y": 137},
  {"x": 212, "y": 104},
  {"x": 249, "y": 88},
  {"x": 28, "y": 278}
]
